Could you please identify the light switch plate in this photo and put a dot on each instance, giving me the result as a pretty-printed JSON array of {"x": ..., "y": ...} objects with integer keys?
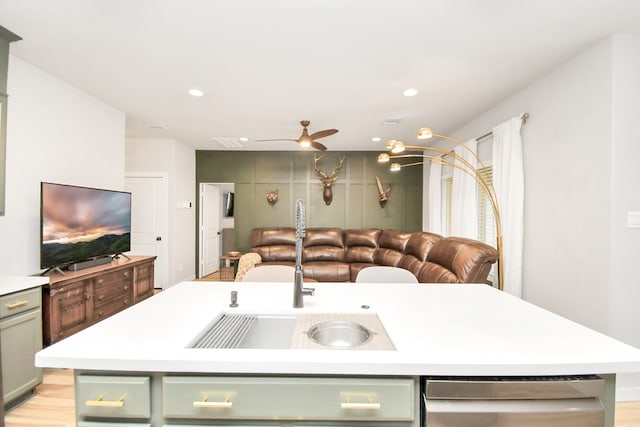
[{"x": 633, "y": 219}]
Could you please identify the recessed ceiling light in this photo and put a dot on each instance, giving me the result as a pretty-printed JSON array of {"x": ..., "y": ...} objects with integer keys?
[
  {"x": 410, "y": 92},
  {"x": 244, "y": 139},
  {"x": 196, "y": 92},
  {"x": 376, "y": 139}
]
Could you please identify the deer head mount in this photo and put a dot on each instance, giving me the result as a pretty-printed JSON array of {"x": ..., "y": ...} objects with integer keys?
[
  {"x": 327, "y": 180},
  {"x": 383, "y": 194}
]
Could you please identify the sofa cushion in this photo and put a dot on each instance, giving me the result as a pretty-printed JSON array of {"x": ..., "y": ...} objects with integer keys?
[
  {"x": 462, "y": 257},
  {"x": 323, "y": 237},
  {"x": 326, "y": 271},
  {"x": 273, "y": 236},
  {"x": 435, "y": 273},
  {"x": 391, "y": 248},
  {"x": 418, "y": 246},
  {"x": 323, "y": 253},
  {"x": 361, "y": 244},
  {"x": 323, "y": 244},
  {"x": 276, "y": 253},
  {"x": 367, "y": 237}
]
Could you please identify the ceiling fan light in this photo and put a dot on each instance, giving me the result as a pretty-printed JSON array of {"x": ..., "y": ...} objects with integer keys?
[
  {"x": 425, "y": 133},
  {"x": 395, "y": 167},
  {"x": 383, "y": 158},
  {"x": 305, "y": 143}
]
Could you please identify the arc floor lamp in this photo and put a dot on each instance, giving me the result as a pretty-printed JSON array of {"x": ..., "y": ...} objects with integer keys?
[{"x": 449, "y": 158}]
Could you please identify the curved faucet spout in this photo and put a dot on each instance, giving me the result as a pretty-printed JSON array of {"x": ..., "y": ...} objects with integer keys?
[{"x": 298, "y": 290}]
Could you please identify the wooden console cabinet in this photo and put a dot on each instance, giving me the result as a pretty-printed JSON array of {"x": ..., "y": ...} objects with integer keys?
[{"x": 78, "y": 299}]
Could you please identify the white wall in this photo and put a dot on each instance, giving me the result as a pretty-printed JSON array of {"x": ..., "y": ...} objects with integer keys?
[
  {"x": 177, "y": 160},
  {"x": 624, "y": 302},
  {"x": 581, "y": 146},
  {"x": 55, "y": 133}
]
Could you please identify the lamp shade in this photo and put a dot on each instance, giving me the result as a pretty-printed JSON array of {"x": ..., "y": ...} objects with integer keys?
[
  {"x": 383, "y": 158},
  {"x": 397, "y": 147},
  {"x": 425, "y": 133}
]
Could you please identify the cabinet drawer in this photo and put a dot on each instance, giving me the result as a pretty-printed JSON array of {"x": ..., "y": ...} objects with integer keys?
[
  {"x": 113, "y": 279},
  {"x": 117, "y": 285},
  {"x": 19, "y": 302},
  {"x": 105, "y": 296},
  {"x": 111, "y": 307},
  {"x": 115, "y": 397},
  {"x": 297, "y": 398}
]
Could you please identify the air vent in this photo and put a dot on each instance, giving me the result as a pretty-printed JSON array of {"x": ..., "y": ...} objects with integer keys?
[
  {"x": 228, "y": 142},
  {"x": 391, "y": 122}
]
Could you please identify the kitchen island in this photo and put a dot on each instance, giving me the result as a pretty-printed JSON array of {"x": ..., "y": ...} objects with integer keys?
[{"x": 436, "y": 330}]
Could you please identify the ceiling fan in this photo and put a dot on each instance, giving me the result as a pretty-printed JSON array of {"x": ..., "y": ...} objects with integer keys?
[{"x": 306, "y": 140}]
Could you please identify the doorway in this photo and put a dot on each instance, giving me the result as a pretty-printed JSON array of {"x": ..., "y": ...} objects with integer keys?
[
  {"x": 149, "y": 220},
  {"x": 212, "y": 223}
]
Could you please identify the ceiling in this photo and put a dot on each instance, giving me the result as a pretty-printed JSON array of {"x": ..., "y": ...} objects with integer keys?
[{"x": 265, "y": 65}]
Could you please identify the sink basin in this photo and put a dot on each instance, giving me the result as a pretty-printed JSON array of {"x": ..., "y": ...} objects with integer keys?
[
  {"x": 339, "y": 333},
  {"x": 346, "y": 331}
]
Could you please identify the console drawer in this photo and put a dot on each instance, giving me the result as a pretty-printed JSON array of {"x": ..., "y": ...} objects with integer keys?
[
  {"x": 113, "y": 397},
  {"x": 113, "y": 285},
  {"x": 297, "y": 398}
]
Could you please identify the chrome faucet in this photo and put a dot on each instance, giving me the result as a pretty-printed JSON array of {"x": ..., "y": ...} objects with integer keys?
[{"x": 299, "y": 291}]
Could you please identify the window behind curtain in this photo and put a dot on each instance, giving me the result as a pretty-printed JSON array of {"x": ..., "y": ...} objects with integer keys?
[{"x": 486, "y": 221}]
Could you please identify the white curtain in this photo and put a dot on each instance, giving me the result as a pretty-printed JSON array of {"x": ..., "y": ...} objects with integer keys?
[
  {"x": 435, "y": 198},
  {"x": 464, "y": 209},
  {"x": 508, "y": 181}
]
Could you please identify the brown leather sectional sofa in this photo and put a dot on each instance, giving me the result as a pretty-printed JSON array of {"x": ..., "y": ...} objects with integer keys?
[{"x": 337, "y": 255}]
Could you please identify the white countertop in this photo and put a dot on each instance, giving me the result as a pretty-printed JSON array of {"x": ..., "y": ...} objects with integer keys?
[
  {"x": 11, "y": 284},
  {"x": 437, "y": 330}
]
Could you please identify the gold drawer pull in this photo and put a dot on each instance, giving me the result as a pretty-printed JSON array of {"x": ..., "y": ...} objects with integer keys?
[
  {"x": 370, "y": 405},
  {"x": 205, "y": 404},
  {"x": 106, "y": 403},
  {"x": 17, "y": 304}
]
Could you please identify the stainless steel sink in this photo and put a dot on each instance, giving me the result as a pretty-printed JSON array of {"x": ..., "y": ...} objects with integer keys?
[
  {"x": 232, "y": 330},
  {"x": 339, "y": 333},
  {"x": 346, "y": 331}
]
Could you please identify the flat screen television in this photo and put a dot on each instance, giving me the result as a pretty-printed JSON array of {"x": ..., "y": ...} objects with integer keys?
[
  {"x": 228, "y": 203},
  {"x": 82, "y": 223}
]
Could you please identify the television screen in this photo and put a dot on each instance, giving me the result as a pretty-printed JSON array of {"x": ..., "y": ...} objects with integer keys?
[
  {"x": 81, "y": 223},
  {"x": 228, "y": 204}
]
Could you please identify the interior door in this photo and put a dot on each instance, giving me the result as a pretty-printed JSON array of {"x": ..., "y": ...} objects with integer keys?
[
  {"x": 210, "y": 229},
  {"x": 149, "y": 221}
]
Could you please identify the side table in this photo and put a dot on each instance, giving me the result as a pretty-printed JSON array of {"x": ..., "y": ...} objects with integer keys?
[{"x": 228, "y": 267}]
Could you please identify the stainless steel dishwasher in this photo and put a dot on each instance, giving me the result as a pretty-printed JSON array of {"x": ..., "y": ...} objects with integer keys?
[{"x": 566, "y": 401}]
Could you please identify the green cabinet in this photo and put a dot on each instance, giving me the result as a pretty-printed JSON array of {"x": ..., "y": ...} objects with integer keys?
[
  {"x": 172, "y": 399},
  {"x": 20, "y": 339},
  {"x": 299, "y": 398}
]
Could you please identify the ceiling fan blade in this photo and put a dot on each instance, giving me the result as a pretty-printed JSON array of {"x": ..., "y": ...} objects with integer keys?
[
  {"x": 277, "y": 139},
  {"x": 318, "y": 146},
  {"x": 323, "y": 133}
]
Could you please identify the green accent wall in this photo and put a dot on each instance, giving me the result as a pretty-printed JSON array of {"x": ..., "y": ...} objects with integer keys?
[{"x": 355, "y": 193}]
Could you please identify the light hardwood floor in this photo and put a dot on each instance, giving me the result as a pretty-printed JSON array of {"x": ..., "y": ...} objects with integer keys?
[{"x": 53, "y": 405}]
